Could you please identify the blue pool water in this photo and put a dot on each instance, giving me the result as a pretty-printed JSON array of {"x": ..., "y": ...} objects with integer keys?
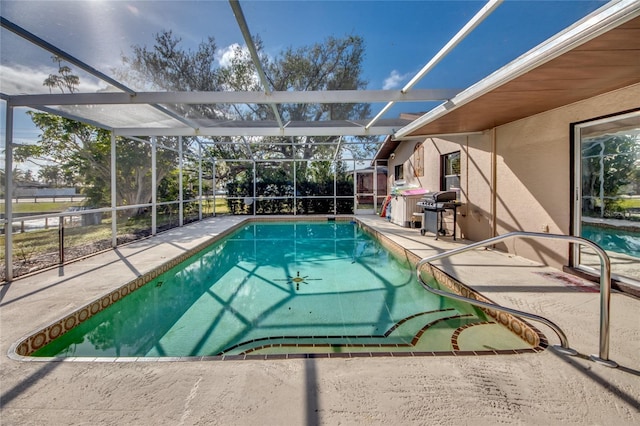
[
  {"x": 272, "y": 285},
  {"x": 619, "y": 241}
]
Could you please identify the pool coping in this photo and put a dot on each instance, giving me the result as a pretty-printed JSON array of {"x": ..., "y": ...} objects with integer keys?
[
  {"x": 22, "y": 349},
  {"x": 527, "y": 332}
]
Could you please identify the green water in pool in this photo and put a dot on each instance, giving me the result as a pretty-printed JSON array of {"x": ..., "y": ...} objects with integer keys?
[{"x": 280, "y": 287}]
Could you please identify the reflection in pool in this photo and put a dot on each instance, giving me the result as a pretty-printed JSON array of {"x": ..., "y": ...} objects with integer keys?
[
  {"x": 619, "y": 241},
  {"x": 283, "y": 288}
]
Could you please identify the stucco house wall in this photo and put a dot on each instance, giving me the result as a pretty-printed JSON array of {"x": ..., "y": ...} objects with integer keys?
[
  {"x": 534, "y": 172},
  {"x": 403, "y": 155},
  {"x": 517, "y": 176},
  {"x": 432, "y": 149},
  {"x": 477, "y": 183}
]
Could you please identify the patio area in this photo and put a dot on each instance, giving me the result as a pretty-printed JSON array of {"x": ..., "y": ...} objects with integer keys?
[{"x": 544, "y": 388}]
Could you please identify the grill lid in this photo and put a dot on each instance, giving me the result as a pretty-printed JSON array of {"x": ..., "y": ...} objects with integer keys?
[{"x": 439, "y": 196}]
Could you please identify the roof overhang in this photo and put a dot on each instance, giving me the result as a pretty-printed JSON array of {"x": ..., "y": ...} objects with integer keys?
[{"x": 598, "y": 54}]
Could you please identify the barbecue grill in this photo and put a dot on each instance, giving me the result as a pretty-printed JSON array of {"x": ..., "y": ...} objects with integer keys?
[{"x": 433, "y": 206}]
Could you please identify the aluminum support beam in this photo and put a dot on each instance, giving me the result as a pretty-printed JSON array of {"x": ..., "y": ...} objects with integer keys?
[
  {"x": 8, "y": 194},
  {"x": 343, "y": 143},
  {"x": 114, "y": 199},
  {"x": 335, "y": 188},
  {"x": 180, "y": 176},
  {"x": 299, "y": 160},
  {"x": 295, "y": 179},
  {"x": 259, "y": 131},
  {"x": 199, "y": 181},
  {"x": 32, "y": 38},
  {"x": 244, "y": 28},
  {"x": 214, "y": 184},
  {"x": 255, "y": 197},
  {"x": 154, "y": 185},
  {"x": 451, "y": 44},
  {"x": 239, "y": 97},
  {"x": 174, "y": 115},
  {"x": 455, "y": 40},
  {"x": 610, "y": 16}
]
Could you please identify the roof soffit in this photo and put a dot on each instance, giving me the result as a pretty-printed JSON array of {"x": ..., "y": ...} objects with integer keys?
[{"x": 608, "y": 62}]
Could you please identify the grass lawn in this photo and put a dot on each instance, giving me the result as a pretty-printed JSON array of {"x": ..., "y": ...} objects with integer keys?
[
  {"x": 49, "y": 207},
  {"x": 33, "y": 243},
  {"x": 45, "y": 207},
  {"x": 629, "y": 203}
]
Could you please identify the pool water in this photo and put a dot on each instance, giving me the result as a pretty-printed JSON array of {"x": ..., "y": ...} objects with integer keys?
[
  {"x": 294, "y": 287},
  {"x": 618, "y": 241}
]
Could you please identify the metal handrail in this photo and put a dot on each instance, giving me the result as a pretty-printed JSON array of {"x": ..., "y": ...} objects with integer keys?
[{"x": 605, "y": 289}]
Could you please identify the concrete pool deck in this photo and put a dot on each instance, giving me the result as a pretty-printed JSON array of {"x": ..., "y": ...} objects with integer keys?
[{"x": 543, "y": 388}]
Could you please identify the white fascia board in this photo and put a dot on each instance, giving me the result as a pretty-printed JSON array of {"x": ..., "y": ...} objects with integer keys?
[
  {"x": 602, "y": 20},
  {"x": 256, "y": 131},
  {"x": 282, "y": 97}
]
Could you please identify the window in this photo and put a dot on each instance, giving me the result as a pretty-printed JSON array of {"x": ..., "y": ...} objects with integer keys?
[
  {"x": 399, "y": 172},
  {"x": 450, "y": 171}
]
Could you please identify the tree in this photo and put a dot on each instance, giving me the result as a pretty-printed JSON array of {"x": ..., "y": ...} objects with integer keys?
[
  {"x": 64, "y": 79},
  {"x": 22, "y": 176},
  {"x": 79, "y": 152},
  {"x": 167, "y": 66},
  {"x": 608, "y": 166},
  {"x": 50, "y": 175},
  {"x": 335, "y": 64},
  {"x": 83, "y": 151}
]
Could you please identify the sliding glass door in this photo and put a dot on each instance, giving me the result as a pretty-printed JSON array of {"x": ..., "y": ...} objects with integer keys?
[{"x": 607, "y": 187}]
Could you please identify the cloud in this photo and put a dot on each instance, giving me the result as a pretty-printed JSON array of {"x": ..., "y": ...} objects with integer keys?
[
  {"x": 20, "y": 80},
  {"x": 226, "y": 54},
  {"x": 133, "y": 10},
  {"x": 394, "y": 80}
]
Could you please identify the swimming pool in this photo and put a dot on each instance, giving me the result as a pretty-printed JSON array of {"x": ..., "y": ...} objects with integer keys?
[
  {"x": 616, "y": 240},
  {"x": 284, "y": 289}
]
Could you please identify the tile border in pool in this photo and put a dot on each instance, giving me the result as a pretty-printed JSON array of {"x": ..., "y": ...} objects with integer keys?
[
  {"x": 23, "y": 348},
  {"x": 527, "y": 332}
]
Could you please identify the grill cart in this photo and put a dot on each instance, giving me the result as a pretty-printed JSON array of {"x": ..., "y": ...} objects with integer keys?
[{"x": 434, "y": 204}]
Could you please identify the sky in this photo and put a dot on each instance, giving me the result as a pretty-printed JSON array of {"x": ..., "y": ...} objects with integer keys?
[{"x": 400, "y": 36}]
